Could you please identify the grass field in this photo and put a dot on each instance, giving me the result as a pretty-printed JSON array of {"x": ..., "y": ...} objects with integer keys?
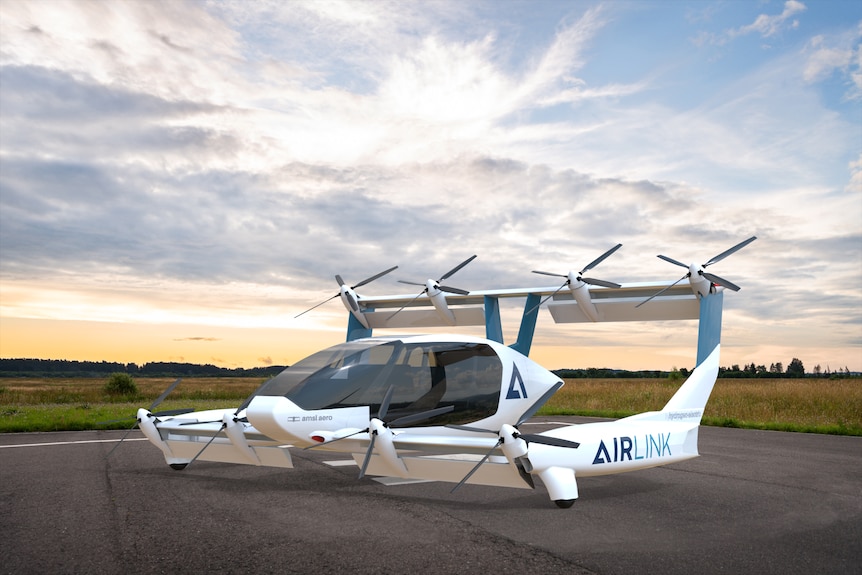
[
  {"x": 74, "y": 404},
  {"x": 808, "y": 405}
]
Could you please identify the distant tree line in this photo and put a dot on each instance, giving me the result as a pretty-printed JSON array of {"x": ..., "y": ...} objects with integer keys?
[
  {"x": 794, "y": 369},
  {"x": 607, "y": 373},
  {"x": 70, "y": 368},
  {"x": 775, "y": 370}
]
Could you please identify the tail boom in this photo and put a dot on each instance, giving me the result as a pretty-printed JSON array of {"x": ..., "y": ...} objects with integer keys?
[{"x": 638, "y": 442}]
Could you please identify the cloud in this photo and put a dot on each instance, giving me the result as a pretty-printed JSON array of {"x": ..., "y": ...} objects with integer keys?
[
  {"x": 855, "y": 184},
  {"x": 219, "y": 163},
  {"x": 150, "y": 48},
  {"x": 767, "y": 25},
  {"x": 837, "y": 54}
]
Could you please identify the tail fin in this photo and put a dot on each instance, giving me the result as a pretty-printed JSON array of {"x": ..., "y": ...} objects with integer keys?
[{"x": 688, "y": 402}]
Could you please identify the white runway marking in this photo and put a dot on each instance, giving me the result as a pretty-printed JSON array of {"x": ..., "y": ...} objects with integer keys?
[{"x": 71, "y": 442}]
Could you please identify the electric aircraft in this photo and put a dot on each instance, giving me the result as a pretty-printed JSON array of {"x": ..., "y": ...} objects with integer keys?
[{"x": 449, "y": 407}]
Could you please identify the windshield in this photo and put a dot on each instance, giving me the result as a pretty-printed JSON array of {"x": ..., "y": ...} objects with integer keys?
[{"x": 424, "y": 376}]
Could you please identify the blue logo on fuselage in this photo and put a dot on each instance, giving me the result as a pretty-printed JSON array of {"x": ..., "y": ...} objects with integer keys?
[
  {"x": 514, "y": 393},
  {"x": 651, "y": 446}
]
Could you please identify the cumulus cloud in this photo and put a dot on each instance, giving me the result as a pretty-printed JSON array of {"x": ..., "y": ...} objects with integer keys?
[{"x": 223, "y": 161}]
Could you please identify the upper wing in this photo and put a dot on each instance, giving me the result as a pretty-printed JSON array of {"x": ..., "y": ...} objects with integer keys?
[{"x": 620, "y": 304}]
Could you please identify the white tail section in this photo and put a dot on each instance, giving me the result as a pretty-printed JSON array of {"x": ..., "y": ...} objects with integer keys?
[{"x": 688, "y": 403}]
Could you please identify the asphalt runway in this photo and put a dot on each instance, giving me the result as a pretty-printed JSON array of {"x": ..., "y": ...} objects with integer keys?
[{"x": 754, "y": 502}]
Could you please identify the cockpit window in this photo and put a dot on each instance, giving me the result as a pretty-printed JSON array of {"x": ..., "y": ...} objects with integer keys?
[{"x": 424, "y": 376}]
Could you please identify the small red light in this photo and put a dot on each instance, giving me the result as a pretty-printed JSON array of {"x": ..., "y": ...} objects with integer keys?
[{"x": 318, "y": 438}]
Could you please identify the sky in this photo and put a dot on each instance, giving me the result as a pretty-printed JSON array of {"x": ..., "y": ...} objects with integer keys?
[{"x": 179, "y": 180}]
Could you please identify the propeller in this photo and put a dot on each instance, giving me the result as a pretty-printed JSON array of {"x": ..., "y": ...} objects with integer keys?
[
  {"x": 220, "y": 429},
  {"x": 512, "y": 431},
  {"x": 377, "y": 425},
  {"x": 528, "y": 437},
  {"x": 436, "y": 284},
  {"x": 445, "y": 276},
  {"x": 374, "y": 430},
  {"x": 580, "y": 277},
  {"x": 341, "y": 283},
  {"x": 236, "y": 418},
  {"x": 153, "y": 405},
  {"x": 714, "y": 279}
]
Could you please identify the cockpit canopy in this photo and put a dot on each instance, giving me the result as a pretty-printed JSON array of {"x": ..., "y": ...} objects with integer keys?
[{"x": 424, "y": 376}]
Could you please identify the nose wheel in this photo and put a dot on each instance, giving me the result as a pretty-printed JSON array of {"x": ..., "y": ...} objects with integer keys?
[{"x": 564, "y": 503}]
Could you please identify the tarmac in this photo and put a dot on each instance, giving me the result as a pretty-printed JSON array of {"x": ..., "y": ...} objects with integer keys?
[{"x": 754, "y": 502}]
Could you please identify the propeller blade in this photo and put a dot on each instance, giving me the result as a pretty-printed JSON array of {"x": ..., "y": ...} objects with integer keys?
[
  {"x": 413, "y": 418},
  {"x": 165, "y": 393},
  {"x": 410, "y": 283},
  {"x": 473, "y": 429},
  {"x": 556, "y": 291},
  {"x": 662, "y": 291},
  {"x": 600, "y": 259},
  {"x": 456, "y": 268},
  {"x": 590, "y": 281},
  {"x": 550, "y": 274},
  {"x": 372, "y": 278},
  {"x": 122, "y": 439},
  {"x": 453, "y": 290},
  {"x": 173, "y": 412},
  {"x": 721, "y": 281},
  {"x": 242, "y": 406},
  {"x": 110, "y": 421},
  {"x": 367, "y": 456},
  {"x": 525, "y": 475},
  {"x": 254, "y": 394},
  {"x": 545, "y": 440},
  {"x": 477, "y": 466},
  {"x": 724, "y": 254},
  {"x": 420, "y": 294},
  {"x": 198, "y": 454},
  {"x": 155, "y": 403},
  {"x": 384, "y": 405},
  {"x": 318, "y": 305},
  {"x": 603, "y": 283},
  {"x": 243, "y": 419},
  {"x": 673, "y": 261},
  {"x": 224, "y": 425},
  {"x": 341, "y": 283}
]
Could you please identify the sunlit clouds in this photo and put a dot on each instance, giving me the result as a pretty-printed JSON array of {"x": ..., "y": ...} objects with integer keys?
[{"x": 208, "y": 167}]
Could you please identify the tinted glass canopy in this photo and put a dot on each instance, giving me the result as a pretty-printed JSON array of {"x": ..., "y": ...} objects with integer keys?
[{"x": 424, "y": 376}]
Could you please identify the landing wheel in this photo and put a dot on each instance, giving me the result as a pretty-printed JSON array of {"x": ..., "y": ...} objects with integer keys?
[
  {"x": 181, "y": 466},
  {"x": 564, "y": 503}
]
